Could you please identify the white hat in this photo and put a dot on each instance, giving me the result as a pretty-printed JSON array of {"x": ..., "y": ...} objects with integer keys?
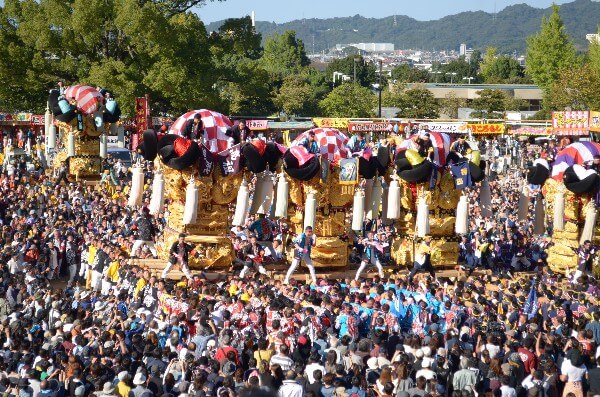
[
  {"x": 426, "y": 363},
  {"x": 419, "y": 353},
  {"x": 107, "y": 389},
  {"x": 373, "y": 363},
  {"x": 99, "y": 305},
  {"x": 426, "y": 351},
  {"x": 58, "y": 324},
  {"x": 123, "y": 375},
  {"x": 139, "y": 379},
  {"x": 211, "y": 343}
]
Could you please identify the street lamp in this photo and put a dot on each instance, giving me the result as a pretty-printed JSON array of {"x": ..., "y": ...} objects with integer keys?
[
  {"x": 378, "y": 88},
  {"x": 437, "y": 73},
  {"x": 468, "y": 78},
  {"x": 451, "y": 76}
]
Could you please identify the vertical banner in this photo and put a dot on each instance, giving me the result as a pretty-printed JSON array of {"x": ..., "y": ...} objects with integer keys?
[{"x": 143, "y": 121}]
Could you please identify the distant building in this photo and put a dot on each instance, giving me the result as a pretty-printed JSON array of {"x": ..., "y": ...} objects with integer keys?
[
  {"x": 528, "y": 92},
  {"x": 465, "y": 52},
  {"x": 368, "y": 47},
  {"x": 593, "y": 38}
]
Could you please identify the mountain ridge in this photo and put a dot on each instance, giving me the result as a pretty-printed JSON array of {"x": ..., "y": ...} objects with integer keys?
[{"x": 505, "y": 30}]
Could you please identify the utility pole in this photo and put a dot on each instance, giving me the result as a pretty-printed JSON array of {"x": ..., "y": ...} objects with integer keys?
[
  {"x": 355, "y": 69},
  {"x": 380, "y": 87}
]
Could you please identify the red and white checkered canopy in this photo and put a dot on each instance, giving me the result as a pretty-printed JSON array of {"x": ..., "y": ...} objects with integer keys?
[
  {"x": 88, "y": 98},
  {"x": 215, "y": 127},
  {"x": 331, "y": 141},
  {"x": 440, "y": 142}
]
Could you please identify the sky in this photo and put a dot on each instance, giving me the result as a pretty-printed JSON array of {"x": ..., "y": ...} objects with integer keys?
[{"x": 288, "y": 10}]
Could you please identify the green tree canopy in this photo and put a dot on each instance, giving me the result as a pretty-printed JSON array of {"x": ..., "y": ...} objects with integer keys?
[
  {"x": 406, "y": 74},
  {"x": 294, "y": 94},
  {"x": 492, "y": 104},
  {"x": 349, "y": 100},
  {"x": 366, "y": 73},
  {"x": 576, "y": 88},
  {"x": 500, "y": 68},
  {"x": 459, "y": 67},
  {"x": 284, "y": 55},
  {"x": 549, "y": 51},
  {"x": 131, "y": 47},
  {"x": 416, "y": 102}
]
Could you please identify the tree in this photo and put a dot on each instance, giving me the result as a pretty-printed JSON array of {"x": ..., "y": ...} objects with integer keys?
[
  {"x": 459, "y": 67},
  {"x": 365, "y": 71},
  {"x": 500, "y": 69},
  {"x": 294, "y": 94},
  {"x": 492, "y": 104},
  {"x": 284, "y": 55},
  {"x": 416, "y": 102},
  {"x": 130, "y": 47},
  {"x": 419, "y": 104},
  {"x": 576, "y": 88},
  {"x": 593, "y": 54},
  {"x": 349, "y": 100},
  {"x": 450, "y": 104},
  {"x": 406, "y": 74},
  {"x": 549, "y": 51}
]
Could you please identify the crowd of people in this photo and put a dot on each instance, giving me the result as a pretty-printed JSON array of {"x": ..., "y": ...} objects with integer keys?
[{"x": 117, "y": 329}]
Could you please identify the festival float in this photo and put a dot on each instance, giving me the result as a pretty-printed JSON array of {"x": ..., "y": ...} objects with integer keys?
[
  {"x": 83, "y": 117},
  {"x": 570, "y": 193},
  {"x": 324, "y": 189},
  {"x": 429, "y": 201}
]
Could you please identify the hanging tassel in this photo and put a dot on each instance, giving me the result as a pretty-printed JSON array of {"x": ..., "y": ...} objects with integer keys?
[
  {"x": 310, "y": 210},
  {"x": 422, "y": 218},
  {"x": 113, "y": 128},
  {"x": 540, "y": 216},
  {"x": 393, "y": 204},
  {"x": 358, "y": 210},
  {"x": 52, "y": 137},
  {"x": 524, "y": 204},
  {"x": 559, "y": 211},
  {"x": 281, "y": 204},
  {"x": 384, "y": 206},
  {"x": 157, "y": 200},
  {"x": 241, "y": 205},
  {"x": 462, "y": 216},
  {"x": 190, "y": 211},
  {"x": 120, "y": 136},
  {"x": 590, "y": 222},
  {"x": 375, "y": 203},
  {"x": 368, "y": 191},
  {"x": 485, "y": 199},
  {"x": 71, "y": 145},
  {"x": 47, "y": 121},
  {"x": 137, "y": 187},
  {"x": 103, "y": 145},
  {"x": 263, "y": 194}
]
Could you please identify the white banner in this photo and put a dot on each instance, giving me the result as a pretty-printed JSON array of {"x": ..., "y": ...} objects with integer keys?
[{"x": 448, "y": 128}]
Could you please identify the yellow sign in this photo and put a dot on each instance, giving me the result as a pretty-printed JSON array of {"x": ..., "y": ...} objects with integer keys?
[
  {"x": 595, "y": 121},
  {"x": 483, "y": 129},
  {"x": 327, "y": 122}
]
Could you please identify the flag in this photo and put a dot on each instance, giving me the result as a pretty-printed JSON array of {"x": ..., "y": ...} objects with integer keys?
[
  {"x": 206, "y": 161},
  {"x": 462, "y": 176},
  {"x": 531, "y": 305},
  {"x": 229, "y": 160}
]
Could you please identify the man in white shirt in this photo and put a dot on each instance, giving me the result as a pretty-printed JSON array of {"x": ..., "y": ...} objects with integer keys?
[
  {"x": 426, "y": 371},
  {"x": 505, "y": 389},
  {"x": 283, "y": 359},
  {"x": 313, "y": 365},
  {"x": 290, "y": 388}
]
